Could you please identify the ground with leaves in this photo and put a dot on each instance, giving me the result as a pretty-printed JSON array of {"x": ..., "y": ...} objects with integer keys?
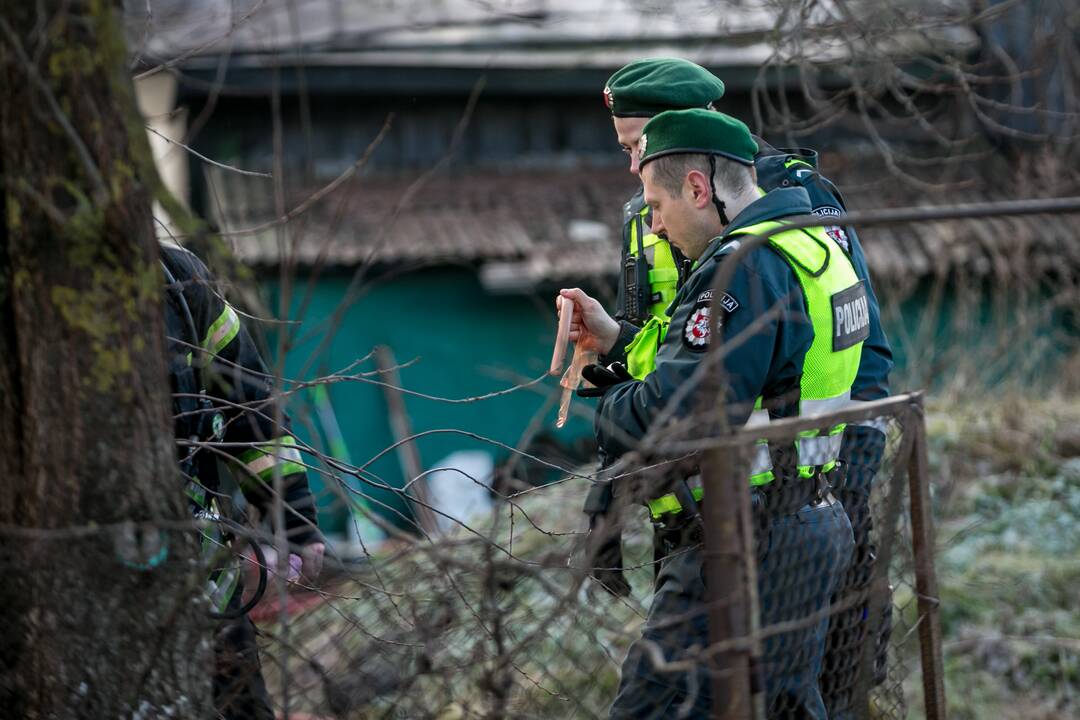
[{"x": 1007, "y": 498}]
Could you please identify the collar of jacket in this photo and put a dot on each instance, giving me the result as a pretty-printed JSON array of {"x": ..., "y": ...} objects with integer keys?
[
  {"x": 783, "y": 202},
  {"x": 772, "y": 168},
  {"x": 764, "y": 149}
]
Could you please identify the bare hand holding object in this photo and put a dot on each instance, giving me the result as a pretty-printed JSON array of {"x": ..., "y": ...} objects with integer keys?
[{"x": 590, "y": 327}]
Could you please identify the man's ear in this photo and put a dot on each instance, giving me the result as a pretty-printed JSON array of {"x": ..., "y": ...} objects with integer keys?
[{"x": 698, "y": 185}]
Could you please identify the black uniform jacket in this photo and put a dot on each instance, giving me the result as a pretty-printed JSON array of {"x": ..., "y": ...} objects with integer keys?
[
  {"x": 767, "y": 333},
  {"x": 778, "y": 169},
  {"x": 225, "y": 362}
]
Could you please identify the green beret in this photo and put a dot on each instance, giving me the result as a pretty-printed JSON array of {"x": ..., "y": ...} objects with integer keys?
[
  {"x": 704, "y": 132},
  {"x": 650, "y": 86}
]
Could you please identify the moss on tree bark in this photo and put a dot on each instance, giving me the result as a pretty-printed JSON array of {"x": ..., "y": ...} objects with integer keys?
[{"x": 87, "y": 459}]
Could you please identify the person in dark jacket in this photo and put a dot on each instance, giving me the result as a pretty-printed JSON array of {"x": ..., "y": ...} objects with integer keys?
[
  {"x": 234, "y": 442},
  {"x": 790, "y": 356},
  {"x": 652, "y": 270},
  {"x": 643, "y": 89}
]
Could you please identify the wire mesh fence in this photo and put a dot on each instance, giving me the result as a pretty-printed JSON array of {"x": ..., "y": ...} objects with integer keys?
[
  {"x": 840, "y": 595},
  {"x": 498, "y": 617}
]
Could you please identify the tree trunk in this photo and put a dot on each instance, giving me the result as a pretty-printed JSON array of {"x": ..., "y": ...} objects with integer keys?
[{"x": 97, "y": 602}]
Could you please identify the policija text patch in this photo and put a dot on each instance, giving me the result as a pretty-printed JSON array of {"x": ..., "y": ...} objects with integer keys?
[{"x": 851, "y": 317}]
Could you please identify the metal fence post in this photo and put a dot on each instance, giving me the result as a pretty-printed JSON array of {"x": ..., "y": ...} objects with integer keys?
[
  {"x": 878, "y": 596},
  {"x": 726, "y": 553},
  {"x": 922, "y": 532}
]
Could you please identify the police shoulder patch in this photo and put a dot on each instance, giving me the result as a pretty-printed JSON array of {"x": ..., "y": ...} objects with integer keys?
[
  {"x": 698, "y": 327},
  {"x": 826, "y": 211},
  {"x": 839, "y": 237}
]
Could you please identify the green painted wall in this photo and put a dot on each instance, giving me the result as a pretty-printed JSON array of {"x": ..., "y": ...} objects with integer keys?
[{"x": 465, "y": 342}]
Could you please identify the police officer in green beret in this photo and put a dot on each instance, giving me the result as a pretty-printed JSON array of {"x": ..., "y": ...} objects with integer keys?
[
  {"x": 791, "y": 356},
  {"x": 651, "y": 271}
]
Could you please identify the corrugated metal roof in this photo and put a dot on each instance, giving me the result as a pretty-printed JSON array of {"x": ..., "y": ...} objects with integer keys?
[
  {"x": 463, "y": 33},
  {"x": 527, "y": 228},
  {"x": 499, "y": 33},
  {"x": 522, "y": 229}
]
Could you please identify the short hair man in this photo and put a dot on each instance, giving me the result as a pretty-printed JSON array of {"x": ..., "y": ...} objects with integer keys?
[{"x": 699, "y": 181}]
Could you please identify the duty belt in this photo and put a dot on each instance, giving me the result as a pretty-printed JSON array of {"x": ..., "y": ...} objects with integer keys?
[
  {"x": 786, "y": 496},
  {"x": 779, "y": 497}
]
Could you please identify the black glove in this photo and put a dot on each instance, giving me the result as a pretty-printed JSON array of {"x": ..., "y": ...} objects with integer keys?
[
  {"x": 603, "y": 545},
  {"x": 607, "y": 567},
  {"x": 604, "y": 378}
]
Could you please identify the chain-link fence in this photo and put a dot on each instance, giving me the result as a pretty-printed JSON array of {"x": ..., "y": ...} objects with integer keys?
[
  {"x": 854, "y": 610},
  {"x": 820, "y": 582},
  {"x": 497, "y": 617}
]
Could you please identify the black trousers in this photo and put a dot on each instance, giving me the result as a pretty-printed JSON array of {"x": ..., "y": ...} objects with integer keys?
[
  {"x": 801, "y": 559},
  {"x": 862, "y": 452},
  {"x": 239, "y": 688}
]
